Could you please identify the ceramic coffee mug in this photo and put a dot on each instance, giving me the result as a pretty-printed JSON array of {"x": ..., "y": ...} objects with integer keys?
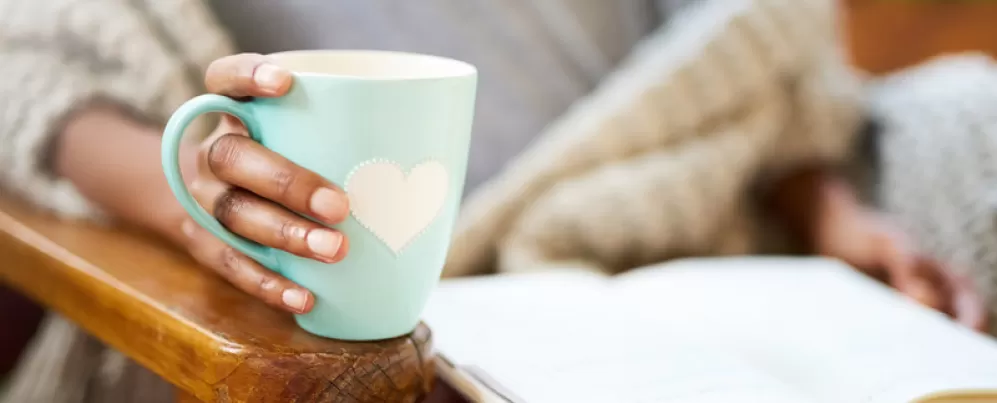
[{"x": 392, "y": 130}]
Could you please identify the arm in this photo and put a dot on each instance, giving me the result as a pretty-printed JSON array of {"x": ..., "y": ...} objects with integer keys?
[
  {"x": 54, "y": 71},
  {"x": 108, "y": 156},
  {"x": 66, "y": 146},
  {"x": 114, "y": 161}
]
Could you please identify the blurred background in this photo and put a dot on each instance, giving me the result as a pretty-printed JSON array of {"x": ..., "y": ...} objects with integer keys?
[{"x": 886, "y": 35}]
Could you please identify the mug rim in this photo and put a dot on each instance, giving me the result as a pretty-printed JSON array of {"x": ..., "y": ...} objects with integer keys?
[{"x": 443, "y": 67}]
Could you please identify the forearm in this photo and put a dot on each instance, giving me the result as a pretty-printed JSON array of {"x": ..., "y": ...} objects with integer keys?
[{"x": 114, "y": 161}]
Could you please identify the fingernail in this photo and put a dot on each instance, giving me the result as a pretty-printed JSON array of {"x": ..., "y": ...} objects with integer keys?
[
  {"x": 269, "y": 76},
  {"x": 324, "y": 243},
  {"x": 295, "y": 299},
  {"x": 328, "y": 204},
  {"x": 188, "y": 228}
]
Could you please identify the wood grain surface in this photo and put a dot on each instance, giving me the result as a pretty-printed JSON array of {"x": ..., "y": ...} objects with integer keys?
[{"x": 190, "y": 327}]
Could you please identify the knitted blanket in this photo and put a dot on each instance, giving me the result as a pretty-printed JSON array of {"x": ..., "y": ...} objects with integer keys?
[{"x": 661, "y": 160}]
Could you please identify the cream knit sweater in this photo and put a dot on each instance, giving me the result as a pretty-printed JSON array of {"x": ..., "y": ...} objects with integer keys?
[
  {"x": 62, "y": 54},
  {"x": 660, "y": 161}
]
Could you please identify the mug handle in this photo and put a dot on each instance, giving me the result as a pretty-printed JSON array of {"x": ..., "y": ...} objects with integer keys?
[{"x": 172, "y": 137}]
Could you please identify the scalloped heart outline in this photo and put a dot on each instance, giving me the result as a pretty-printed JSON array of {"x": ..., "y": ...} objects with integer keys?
[{"x": 395, "y": 205}]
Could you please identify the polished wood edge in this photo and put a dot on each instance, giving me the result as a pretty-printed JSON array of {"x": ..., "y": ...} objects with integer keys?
[
  {"x": 92, "y": 299},
  {"x": 193, "y": 359},
  {"x": 386, "y": 375}
]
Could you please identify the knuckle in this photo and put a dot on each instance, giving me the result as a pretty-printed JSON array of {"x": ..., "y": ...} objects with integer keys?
[
  {"x": 228, "y": 206},
  {"x": 224, "y": 152},
  {"x": 267, "y": 285},
  {"x": 289, "y": 233},
  {"x": 229, "y": 261},
  {"x": 283, "y": 181}
]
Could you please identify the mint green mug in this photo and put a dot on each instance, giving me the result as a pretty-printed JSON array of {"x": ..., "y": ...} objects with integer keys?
[{"x": 391, "y": 129}]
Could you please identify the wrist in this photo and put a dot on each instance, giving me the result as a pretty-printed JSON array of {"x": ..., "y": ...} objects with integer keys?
[{"x": 114, "y": 161}]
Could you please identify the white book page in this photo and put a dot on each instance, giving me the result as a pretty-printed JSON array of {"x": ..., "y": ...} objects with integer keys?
[
  {"x": 553, "y": 338},
  {"x": 815, "y": 324}
]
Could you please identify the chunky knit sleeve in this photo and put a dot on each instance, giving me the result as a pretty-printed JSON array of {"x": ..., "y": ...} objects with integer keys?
[{"x": 61, "y": 55}]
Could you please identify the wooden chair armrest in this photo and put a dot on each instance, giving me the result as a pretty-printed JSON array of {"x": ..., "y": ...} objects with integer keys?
[{"x": 193, "y": 329}]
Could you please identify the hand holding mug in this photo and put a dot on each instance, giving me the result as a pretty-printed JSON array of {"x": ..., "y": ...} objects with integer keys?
[
  {"x": 258, "y": 194},
  {"x": 318, "y": 147}
]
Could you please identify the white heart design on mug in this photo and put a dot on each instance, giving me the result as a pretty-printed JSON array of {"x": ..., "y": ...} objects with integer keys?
[{"x": 393, "y": 206}]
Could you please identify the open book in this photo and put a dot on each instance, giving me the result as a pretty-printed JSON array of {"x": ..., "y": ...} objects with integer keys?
[{"x": 728, "y": 330}]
